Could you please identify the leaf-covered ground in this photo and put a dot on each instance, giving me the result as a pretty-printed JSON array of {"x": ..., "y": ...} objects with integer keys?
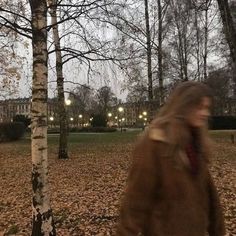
[{"x": 86, "y": 189}]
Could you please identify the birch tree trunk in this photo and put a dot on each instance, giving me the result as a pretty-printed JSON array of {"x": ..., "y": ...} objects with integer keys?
[
  {"x": 149, "y": 52},
  {"x": 42, "y": 214},
  {"x": 63, "y": 120}
]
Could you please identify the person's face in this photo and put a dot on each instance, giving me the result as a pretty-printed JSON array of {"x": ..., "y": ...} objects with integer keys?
[{"x": 198, "y": 116}]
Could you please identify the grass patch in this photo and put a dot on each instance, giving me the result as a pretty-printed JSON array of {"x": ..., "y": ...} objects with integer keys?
[
  {"x": 116, "y": 137},
  {"x": 97, "y": 138}
]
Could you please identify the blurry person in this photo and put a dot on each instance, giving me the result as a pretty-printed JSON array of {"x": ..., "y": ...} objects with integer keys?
[{"x": 170, "y": 191}]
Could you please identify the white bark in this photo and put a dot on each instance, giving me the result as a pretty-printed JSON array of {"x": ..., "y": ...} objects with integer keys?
[{"x": 42, "y": 213}]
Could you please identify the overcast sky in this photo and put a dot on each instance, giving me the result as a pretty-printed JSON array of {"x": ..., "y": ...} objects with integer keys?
[{"x": 73, "y": 73}]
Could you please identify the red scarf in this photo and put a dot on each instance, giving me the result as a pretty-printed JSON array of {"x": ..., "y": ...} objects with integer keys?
[{"x": 193, "y": 159}]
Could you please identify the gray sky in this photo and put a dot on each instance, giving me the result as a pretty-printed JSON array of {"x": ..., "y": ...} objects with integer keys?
[{"x": 73, "y": 73}]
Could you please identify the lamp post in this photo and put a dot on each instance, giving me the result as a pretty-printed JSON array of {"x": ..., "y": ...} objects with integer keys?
[
  {"x": 120, "y": 109},
  {"x": 143, "y": 116},
  {"x": 51, "y": 118},
  {"x": 109, "y": 118},
  {"x": 80, "y": 118},
  {"x": 68, "y": 103},
  {"x": 122, "y": 121},
  {"x": 71, "y": 119}
]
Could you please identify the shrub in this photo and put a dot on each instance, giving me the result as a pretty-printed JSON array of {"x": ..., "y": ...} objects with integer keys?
[
  {"x": 85, "y": 130},
  {"x": 222, "y": 122},
  {"x": 22, "y": 118},
  {"x": 11, "y": 131},
  {"x": 93, "y": 130},
  {"x": 101, "y": 129},
  {"x": 53, "y": 130},
  {"x": 99, "y": 120}
]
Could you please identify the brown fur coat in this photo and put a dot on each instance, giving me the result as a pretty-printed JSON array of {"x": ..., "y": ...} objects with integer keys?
[{"x": 163, "y": 198}]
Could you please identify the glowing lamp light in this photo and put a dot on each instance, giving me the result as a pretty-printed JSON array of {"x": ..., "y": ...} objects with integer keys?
[
  {"x": 68, "y": 102},
  {"x": 120, "y": 109}
]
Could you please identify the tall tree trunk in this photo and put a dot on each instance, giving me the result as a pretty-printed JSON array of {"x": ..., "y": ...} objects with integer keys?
[
  {"x": 181, "y": 44},
  {"x": 42, "y": 214},
  {"x": 230, "y": 33},
  {"x": 205, "y": 55},
  {"x": 198, "y": 44},
  {"x": 149, "y": 52},
  {"x": 160, "y": 55},
  {"x": 185, "y": 56},
  {"x": 185, "y": 44},
  {"x": 182, "y": 53},
  {"x": 63, "y": 120}
]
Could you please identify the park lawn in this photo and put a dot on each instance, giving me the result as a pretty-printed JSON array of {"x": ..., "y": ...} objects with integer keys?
[
  {"x": 121, "y": 137},
  {"x": 86, "y": 189}
]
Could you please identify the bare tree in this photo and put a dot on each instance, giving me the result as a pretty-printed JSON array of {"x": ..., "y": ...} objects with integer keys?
[
  {"x": 161, "y": 17},
  {"x": 149, "y": 52},
  {"x": 182, "y": 23},
  {"x": 42, "y": 214},
  {"x": 202, "y": 24},
  {"x": 219, "y": 82},
  {"x": 230, "y": 32},
  {"x": 10, "y": 59},
  {"x": 63, "y": 150},
  {"x": 105, "y": 99}
]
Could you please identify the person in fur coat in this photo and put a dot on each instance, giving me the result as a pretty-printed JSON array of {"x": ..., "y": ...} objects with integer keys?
[{"x": 170, "y": 191}]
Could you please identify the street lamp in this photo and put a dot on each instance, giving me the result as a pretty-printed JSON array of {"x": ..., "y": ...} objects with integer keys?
[
  {"x": 71, "y": 119},
  {"x": 68, "y": 102},
  {"x": 145, "y": 118},
  {"x": 80, "y": 117},
  {"x": 51, "y": 118},
  {"x": 90, "y": 120},
  {"x": 120, "y": 109},
  {"x": 109, "y": 119}
]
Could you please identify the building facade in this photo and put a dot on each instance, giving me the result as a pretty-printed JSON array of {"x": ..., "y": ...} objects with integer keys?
[
  {"x": 133, "y": 114},
  {"x": 12, "y": 107},
  {"x": 136, "y": 114}
]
